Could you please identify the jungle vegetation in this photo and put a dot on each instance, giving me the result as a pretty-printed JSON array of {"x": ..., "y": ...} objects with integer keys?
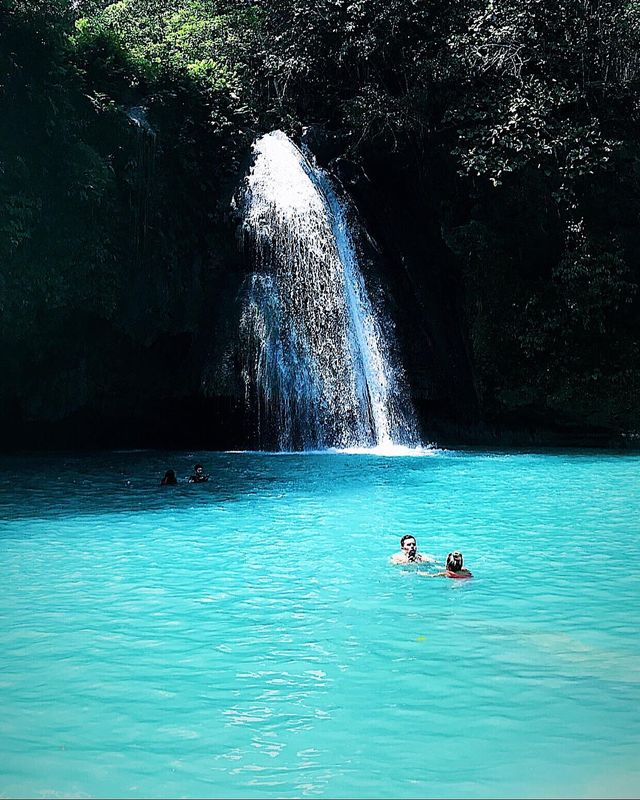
[{"x": 520, "y": 117}]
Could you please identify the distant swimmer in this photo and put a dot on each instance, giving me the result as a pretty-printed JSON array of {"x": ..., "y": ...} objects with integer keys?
[
  {"x": 169, "y": 478},
  {"x": 198, "y": 475},
  {"x": 454, "y": 567},
  {"x": 409, "y": 552}
]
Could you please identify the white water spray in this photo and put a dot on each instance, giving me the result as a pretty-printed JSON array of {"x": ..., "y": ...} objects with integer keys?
[{"x": 317, "y": 367}]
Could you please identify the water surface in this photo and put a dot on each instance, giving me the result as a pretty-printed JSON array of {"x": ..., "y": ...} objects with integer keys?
[{"x": 248, "y": 638}]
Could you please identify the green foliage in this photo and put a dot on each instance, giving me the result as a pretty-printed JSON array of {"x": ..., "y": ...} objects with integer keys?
[
  {"x": 50, "y": 176},
  {"x": 527, "y": 109},
  {"x": 362, "y": 66},
  {"x": 530, "y": 124},
  {"x": 533, "y": 69},
  {"x": 562, "y": 338},
  {"x": 206, "y": 40},
  {"x": 595, "y": 283},
  {"x": 86, "y": 196}
]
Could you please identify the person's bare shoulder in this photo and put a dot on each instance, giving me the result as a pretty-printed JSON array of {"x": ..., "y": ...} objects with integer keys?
[
  {"x": 398, "y": 558},
  {"x": 427, "y": 558}
]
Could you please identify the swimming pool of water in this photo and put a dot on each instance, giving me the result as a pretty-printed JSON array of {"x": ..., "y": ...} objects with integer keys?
[{"x": 248, "y": 637}]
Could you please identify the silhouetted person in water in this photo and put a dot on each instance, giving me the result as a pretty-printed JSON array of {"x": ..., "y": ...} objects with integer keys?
[
  {"x": 198, "y": 475},
  {"x": 169, "y": 478}
]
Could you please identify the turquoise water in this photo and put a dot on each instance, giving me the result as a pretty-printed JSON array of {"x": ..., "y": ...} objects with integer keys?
[{"x": 248, "y": 637}]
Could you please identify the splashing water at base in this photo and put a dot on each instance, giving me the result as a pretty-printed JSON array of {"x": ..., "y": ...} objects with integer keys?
[{"x": 317, "y": 366}]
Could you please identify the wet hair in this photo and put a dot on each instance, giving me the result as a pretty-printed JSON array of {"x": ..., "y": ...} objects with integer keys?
[
  {"x": 405, "y": 537},
  {"x": 454, "y": 561},
  {"x": 169, "y": 477},
  {"x": 198, "y": 466}
]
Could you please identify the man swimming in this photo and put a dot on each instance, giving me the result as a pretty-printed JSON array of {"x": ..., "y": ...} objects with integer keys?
[
  {"x": 198, "y": 475},
  {"x": 409, "y": 552}
]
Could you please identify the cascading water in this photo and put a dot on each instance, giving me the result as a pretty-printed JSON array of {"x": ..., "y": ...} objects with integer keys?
[{"x": 317, "y": 367}]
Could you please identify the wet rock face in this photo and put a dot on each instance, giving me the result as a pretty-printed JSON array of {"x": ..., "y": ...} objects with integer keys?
[
  {"x": 423, "y": 288},
  {"x": 326, "y": 145},
  {"x": 154, "y": 369}
]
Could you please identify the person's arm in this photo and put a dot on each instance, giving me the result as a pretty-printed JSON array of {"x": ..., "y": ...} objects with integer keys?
[{"x": 397, "y": 558}]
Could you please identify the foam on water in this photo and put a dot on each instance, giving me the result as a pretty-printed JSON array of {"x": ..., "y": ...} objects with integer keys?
[
  {"x": 390, "y": 450},
  {"x": 248, "y": 637},
  {"x": 386, "y": 450}
]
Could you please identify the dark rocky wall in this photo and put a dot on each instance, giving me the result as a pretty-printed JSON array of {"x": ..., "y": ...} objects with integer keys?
[
  {"x": 397, "y": 207},
  {"x": 133, "y": 340},
  {"x": 119, "y": 310},
  {"x": 462, "y": 269}
]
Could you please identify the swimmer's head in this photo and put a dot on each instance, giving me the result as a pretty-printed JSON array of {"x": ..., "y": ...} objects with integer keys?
[
  {"x": 408, "y": 544},
  {"x": 454, "y": 561}
]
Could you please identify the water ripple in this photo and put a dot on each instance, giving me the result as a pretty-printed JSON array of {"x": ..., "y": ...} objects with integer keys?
[{"x": 252, "y": 640}]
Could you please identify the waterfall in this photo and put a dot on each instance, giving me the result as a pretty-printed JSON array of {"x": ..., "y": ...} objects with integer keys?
[{"x": 317, "y": 364}]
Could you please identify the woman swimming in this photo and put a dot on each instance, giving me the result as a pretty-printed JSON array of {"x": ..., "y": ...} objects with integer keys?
[
  {"x": 454, "y": 567},
  {"x": 169, "y": 478}
]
